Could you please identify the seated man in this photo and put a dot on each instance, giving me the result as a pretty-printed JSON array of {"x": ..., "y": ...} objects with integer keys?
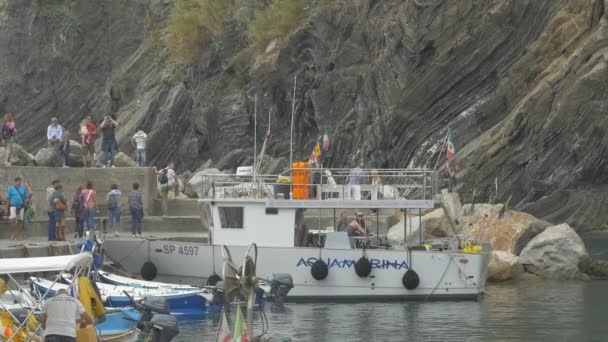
[
  {"x": 342, "y": 222},
  {"x": 355, "y": 229}
]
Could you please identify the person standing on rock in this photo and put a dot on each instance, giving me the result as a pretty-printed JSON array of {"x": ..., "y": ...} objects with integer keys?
[
  {"x": 9, "y": 130},
  {"x": 52, "y": 223},
  {"x": 109, "y": 145},
  {"x": 78, "y": 210},
  {"x": 18, "y": 198},
  {"x": 90, "y": 205},
  {"x": 59, "y": 205},
  {"x": 136, "y": 207},
  {"x": 54, "y": 134},
  {"x": 113, "y": 199},
  {"x": 139, "y": 141},
  {"x": 168, "y": 182},
  {"x": 65, "y": 146},
  {"x": 88, "y": 133}
]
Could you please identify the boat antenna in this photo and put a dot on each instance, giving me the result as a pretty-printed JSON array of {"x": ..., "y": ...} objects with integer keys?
[
  {"x": 255, "y": 130},
  {"x": 293, "y": 109}
]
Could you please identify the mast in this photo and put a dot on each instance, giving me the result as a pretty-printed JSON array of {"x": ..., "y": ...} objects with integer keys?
[
  {"x": 293, "y": 109},
  {"x": 255, "y": 130}
]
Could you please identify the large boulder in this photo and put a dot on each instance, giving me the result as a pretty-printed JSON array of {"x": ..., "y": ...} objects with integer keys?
[
  {"x": 509, "y": 232},
  {"x": 450, "y": 202},
  {"x": 18, "y": 157},
  {"x": 503, "y": 266},
  {"x": 397, "y": 232},
  {"x": 199, "y": 182},
  {"x": 77, "y": 151},
  {"x": 556, "y": 253},
  {"x": 436, "y": 223},
  {"x": 272, "y": 166},
  {"x": 48, "y": 157},
  {"x": 123, "y": 160}
]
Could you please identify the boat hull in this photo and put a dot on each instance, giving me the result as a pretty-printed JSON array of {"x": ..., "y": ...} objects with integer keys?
[
  {"x": 119, "y": 326},
  {"x": 443, "y": 275}
]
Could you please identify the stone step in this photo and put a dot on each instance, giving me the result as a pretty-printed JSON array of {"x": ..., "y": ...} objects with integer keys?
[{"x": 172, "y": 224}]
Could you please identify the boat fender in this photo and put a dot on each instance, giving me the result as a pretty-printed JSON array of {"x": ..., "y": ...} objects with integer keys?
[
  {"x": 319, "y": 270},
  {"x": 410, "y": 279},
  {"x": 363, "y": 267},
  {"x": 213, "y": 279},
  {"x": 148, "y": 271}
]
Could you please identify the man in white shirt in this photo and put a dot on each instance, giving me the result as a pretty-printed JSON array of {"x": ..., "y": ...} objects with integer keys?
[
  {"x": 54, "y": 133},
  {"x": 168, "y": 182},
  {"x": 139, "y": 141},
  {"x": 60, "y": 315}
]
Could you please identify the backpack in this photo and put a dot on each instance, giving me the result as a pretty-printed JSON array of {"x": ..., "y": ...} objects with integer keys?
[
  {"x": 162, "y": 178},
  {"x": 113, "y": 201},
  {"x": 78, "y": 204},
  {"x": 7, "y": 132}
]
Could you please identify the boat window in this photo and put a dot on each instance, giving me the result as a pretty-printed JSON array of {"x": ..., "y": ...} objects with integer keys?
[
  {"x": 231, "y": 217},
  {"x": 272, "y": 211}
]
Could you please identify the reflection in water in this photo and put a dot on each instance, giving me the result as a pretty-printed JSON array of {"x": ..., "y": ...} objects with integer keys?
[{"x": 523, "y": 311}]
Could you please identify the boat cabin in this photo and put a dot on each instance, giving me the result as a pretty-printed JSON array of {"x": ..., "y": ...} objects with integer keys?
[{"x": 300, "y": 207}]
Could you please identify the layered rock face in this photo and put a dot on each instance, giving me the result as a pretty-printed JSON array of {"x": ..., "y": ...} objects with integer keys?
[{"x": 521, "y": 83}]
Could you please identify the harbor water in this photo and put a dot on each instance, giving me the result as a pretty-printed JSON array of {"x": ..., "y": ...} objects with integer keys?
[{"x": 520, "y": 311}]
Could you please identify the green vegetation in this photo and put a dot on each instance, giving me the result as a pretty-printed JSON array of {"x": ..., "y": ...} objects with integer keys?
[
  {"x": 277, "y": 20},
  {"x": 59, "y": 18},
  {"x": 194, "y": 23}
]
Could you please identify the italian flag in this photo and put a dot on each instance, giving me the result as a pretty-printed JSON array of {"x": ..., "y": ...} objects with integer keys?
[
  {"x": 450, "y": 149},
  {"x": 240, "y": 328},
  {"x": 225, "y": 334},
  {"x": 325, "y": 141}
]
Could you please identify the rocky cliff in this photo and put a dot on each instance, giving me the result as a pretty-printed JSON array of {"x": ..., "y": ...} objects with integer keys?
[{"x": 522, "y": 84}]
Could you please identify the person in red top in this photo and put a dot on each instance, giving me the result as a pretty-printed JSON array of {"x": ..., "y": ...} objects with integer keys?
[{"x": 88, "y": 133}]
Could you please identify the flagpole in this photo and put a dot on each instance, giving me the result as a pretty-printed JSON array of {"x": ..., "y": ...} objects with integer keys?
[
  {"x": 255, "y": 131},
  {"x": 293, "y": 109}
]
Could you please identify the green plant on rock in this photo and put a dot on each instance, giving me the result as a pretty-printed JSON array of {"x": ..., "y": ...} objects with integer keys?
[
  {"x": 194, "y": 23},
  {"x": 278, "y": 20}
]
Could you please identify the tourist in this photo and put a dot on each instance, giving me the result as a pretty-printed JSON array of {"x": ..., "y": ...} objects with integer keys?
[
  {"x": 342, "y": 222},
  {"x": 28, "y": 214},
  {"x": 113, "y": 200},
  {"x": 168, "y": 182},
  {"x": 90, "y": 205},
  {"x": 18, "y": 198},
  {"x": 136, "y": 207},
  {"x": 377, "y": 191},
  {"x": 78, "y": 210},
  {"x": 355, "y": 180},
  {"x": 139, "y": 141},
  {"x": 59, "y": 205},
  {"x": 52, "y": 223},
  {"x": 109, "y": 145},
  {"x": 60, "y": 314},
  {"x": 360, "y": 219},
  {"x": 4, "y": 209},
  {"x": 355, "y": 229},
  {"x": 9, "y": 130},
  {"x": 54, "y": 134},
  {"x": 65, "y": 146},
  {"x": 88, "y": 133}
]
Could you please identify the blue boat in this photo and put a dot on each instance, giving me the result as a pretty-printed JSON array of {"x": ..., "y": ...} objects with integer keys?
[
  {"x": 181, "y": 303},
  {"x": 120, "y": 325}
]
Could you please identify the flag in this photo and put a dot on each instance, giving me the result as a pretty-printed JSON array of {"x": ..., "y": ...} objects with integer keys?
[
  {"x": 240, "y": 327},
  {"x": 225, "y": 335},
  {"x": 325, "y": 141},
  {"x": 450, "y": 150},
  {"x": 317, "y": 150}
]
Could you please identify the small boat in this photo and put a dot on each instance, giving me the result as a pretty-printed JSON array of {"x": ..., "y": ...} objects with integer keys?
[
  {"x": 120, "y": 325},
  {"x": 113, "y": 279},
  {"x": 190, "y": 303}
]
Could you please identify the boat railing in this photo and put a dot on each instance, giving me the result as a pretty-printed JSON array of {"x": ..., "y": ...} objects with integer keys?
[{"x": 324, "y": 184}]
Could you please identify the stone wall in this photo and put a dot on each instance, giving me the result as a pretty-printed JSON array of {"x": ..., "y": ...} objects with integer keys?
[{"x": 40, "y": 178}]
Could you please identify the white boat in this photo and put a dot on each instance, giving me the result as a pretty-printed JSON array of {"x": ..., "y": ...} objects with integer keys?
[
  {"x": 333, "y": 267},
  {"x": 114, "y": 279}
]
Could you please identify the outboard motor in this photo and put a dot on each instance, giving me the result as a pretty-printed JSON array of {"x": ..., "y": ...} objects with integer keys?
[
  {"x": 280, "y": 286},
  {"x": 150, "y": 307},
  {"x": 218, "y": 294},
  {"x": 161, "y": 328}
]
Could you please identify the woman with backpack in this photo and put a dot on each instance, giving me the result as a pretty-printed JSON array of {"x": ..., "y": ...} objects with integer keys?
[
  {"x": 113, "y": 198},
  {"x": 9, "y": 130},
  {"x": 78, "y": 211},
  {"x": 59, "y": 205}
]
